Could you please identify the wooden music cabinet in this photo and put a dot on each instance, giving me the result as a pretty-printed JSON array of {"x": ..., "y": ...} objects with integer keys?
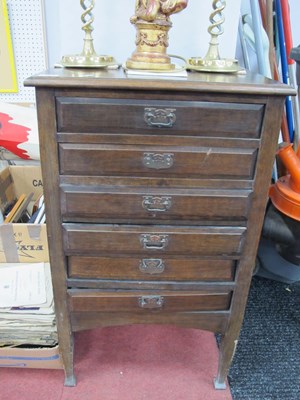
[{"x": 155, "y": 195}]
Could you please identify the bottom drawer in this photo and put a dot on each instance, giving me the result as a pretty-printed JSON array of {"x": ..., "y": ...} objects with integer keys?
[
  {"x": 136, "y": 301},
  {"x": 214, "y": 321}
]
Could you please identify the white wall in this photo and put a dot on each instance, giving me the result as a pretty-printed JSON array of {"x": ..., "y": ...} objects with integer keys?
[{"x": 113, "y": 34}]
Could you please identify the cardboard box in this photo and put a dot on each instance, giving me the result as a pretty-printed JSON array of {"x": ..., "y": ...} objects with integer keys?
[
  {"x": 16, "y": 357},
  {"x": 24, "y": 243},
  {"x": 21, "y": 242}
]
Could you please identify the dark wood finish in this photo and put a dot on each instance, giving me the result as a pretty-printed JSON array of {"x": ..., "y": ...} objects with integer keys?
[
  {"x": 157, "y": 204},
  {"x": 148, "y": 241},
  {"x": 108, "y": 284},
  {"x": 256, "y": 214},
  {"x": 121, "y": 181},
  {"x": 156, "y": 142},
  {"x": 96, "y": 301},
  {"x": 108, "y": 115},
  {"x": 214, "y": 321},
  {"x": 155, "y": 196},
  {"x": 50, "y": 173},
  {"x": 135, "y": 268},
  {"x": 115, "y": 82},
  {"x": 189, "y": 162}
]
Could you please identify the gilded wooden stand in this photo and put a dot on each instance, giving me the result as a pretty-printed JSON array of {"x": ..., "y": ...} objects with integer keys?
[{"x": 151, "y": 48}]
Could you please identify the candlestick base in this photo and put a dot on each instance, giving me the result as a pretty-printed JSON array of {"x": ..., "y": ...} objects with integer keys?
[
  {"x": 83, "y": 61},
  {"x": 224, "y": 65},
  {"x": 88, "y": 58}
]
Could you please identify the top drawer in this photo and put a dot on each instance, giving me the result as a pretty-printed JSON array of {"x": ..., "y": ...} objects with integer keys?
[{"x": 197, "y": 118}]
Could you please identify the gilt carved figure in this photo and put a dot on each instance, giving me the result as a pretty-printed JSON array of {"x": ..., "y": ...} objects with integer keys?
[{"x": 157, "y": 11}]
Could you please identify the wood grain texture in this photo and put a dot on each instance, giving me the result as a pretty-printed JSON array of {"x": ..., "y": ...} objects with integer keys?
[
  {"x": 50, "y": 173},
  {"x": 190, "y": 118},
  {"x": 108, "y": 284},
  {"x": 131, "y": 268},
  {"x": 256, "y": 217},
  {"x": 230, "y": 84},
  {"x": 96, "y": 239},
  {"x": 186, "y": 162},
  {"x": 155, "y": 196},
  {"x": 155, "y": 205},
  {"x": 211, "y": 321},
  {"x": 164, "y": 182},
  {"x": 96, "y": 301}
]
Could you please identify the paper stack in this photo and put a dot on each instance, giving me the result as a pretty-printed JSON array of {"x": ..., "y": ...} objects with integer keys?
[
  {"x": 177, "y": 72},
  {"x": 26, "y": 305}
]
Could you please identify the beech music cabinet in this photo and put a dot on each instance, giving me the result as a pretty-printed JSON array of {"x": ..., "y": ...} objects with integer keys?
[{"x": 155, "y": 194}]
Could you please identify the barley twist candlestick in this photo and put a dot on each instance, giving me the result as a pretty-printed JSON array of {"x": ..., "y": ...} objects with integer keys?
[
  {"x": 216, "y": 29},
  {"x": 212, "y": 62},
  {"x": 88, "y": 57}
]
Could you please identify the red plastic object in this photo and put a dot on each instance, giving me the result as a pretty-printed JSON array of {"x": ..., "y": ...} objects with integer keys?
[
  {"x": 287, "y": 29},
  {"x": 285, "y": 193}
]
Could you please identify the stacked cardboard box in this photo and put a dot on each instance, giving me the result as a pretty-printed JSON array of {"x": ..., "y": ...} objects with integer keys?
[{"x": 24, "y": 243}]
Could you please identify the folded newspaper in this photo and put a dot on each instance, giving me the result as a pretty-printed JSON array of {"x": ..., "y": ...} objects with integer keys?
[{"x": 26, "y": 305}]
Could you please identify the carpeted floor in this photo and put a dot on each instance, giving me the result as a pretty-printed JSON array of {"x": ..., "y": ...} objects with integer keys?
[
  {"x": 131, "y": 362},
  {"x": 153, "y": 362},
  {"x": 267, "y": 362}
]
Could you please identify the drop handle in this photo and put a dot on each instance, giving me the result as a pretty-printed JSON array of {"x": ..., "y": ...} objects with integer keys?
[
  {"x": 158, "y": 160},
  {"x": 153, "y": 241},
  {"x": 160, "y": 117},
  {"x": 157, "y": 203},
  {"x": 151, "y": 302},
  {"x": 152, "y": 266}
]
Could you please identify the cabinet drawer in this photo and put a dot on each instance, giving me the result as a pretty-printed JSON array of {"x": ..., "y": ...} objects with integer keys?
[
  {"x": 84, "y": 239},
  {"x": 150, "y": 268},
  {"x": 201, "y": 118},
  {"x": 141, "y": 302},
  {"x": 157, "y": 161},
  {"x": 159, "y": 205}
]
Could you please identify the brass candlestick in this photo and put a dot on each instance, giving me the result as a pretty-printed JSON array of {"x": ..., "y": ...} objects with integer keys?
[
  {"x": 212, "y": 62},
  {"x": 88, "y": 58}
]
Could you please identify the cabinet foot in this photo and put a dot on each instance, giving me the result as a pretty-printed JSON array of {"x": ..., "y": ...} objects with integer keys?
[
  {"x": 70, "y": 381},
  {"x": 219, "y": 385}
]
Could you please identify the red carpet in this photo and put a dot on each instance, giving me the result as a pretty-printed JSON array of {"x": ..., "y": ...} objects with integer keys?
[{"x": 132, "y": 362}]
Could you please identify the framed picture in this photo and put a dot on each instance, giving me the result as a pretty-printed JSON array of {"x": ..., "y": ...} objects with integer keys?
[{"x": 8, "y": 76}]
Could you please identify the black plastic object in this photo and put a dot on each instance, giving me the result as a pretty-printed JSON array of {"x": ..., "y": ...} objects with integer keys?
[{"x": 279, "y": 250}]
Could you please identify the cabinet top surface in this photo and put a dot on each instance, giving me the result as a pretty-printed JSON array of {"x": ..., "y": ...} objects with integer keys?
[{"x": 247, "y": 83}]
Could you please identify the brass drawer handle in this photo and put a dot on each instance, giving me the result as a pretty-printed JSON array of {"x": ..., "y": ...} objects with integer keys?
[
  {"x": 151, "y": 301},
  {"x": 158, "y": 161},
  {"x": 154, "y": 242},
  {"x": 157, "y": 203},
  {"x": 160, "y": 117},
  {"x": 152, "y": 266}
]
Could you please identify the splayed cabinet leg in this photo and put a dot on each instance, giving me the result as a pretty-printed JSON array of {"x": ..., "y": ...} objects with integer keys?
[
  {"x": 70, "y": 379},
  {"x": 226, "y": 354},
  {"x": 67, "y": 353}
]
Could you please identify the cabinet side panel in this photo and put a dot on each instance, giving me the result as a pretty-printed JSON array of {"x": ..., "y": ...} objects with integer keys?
[
  {"x": 50, "y": 172},
  {"x": 266, "y": 154}
]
